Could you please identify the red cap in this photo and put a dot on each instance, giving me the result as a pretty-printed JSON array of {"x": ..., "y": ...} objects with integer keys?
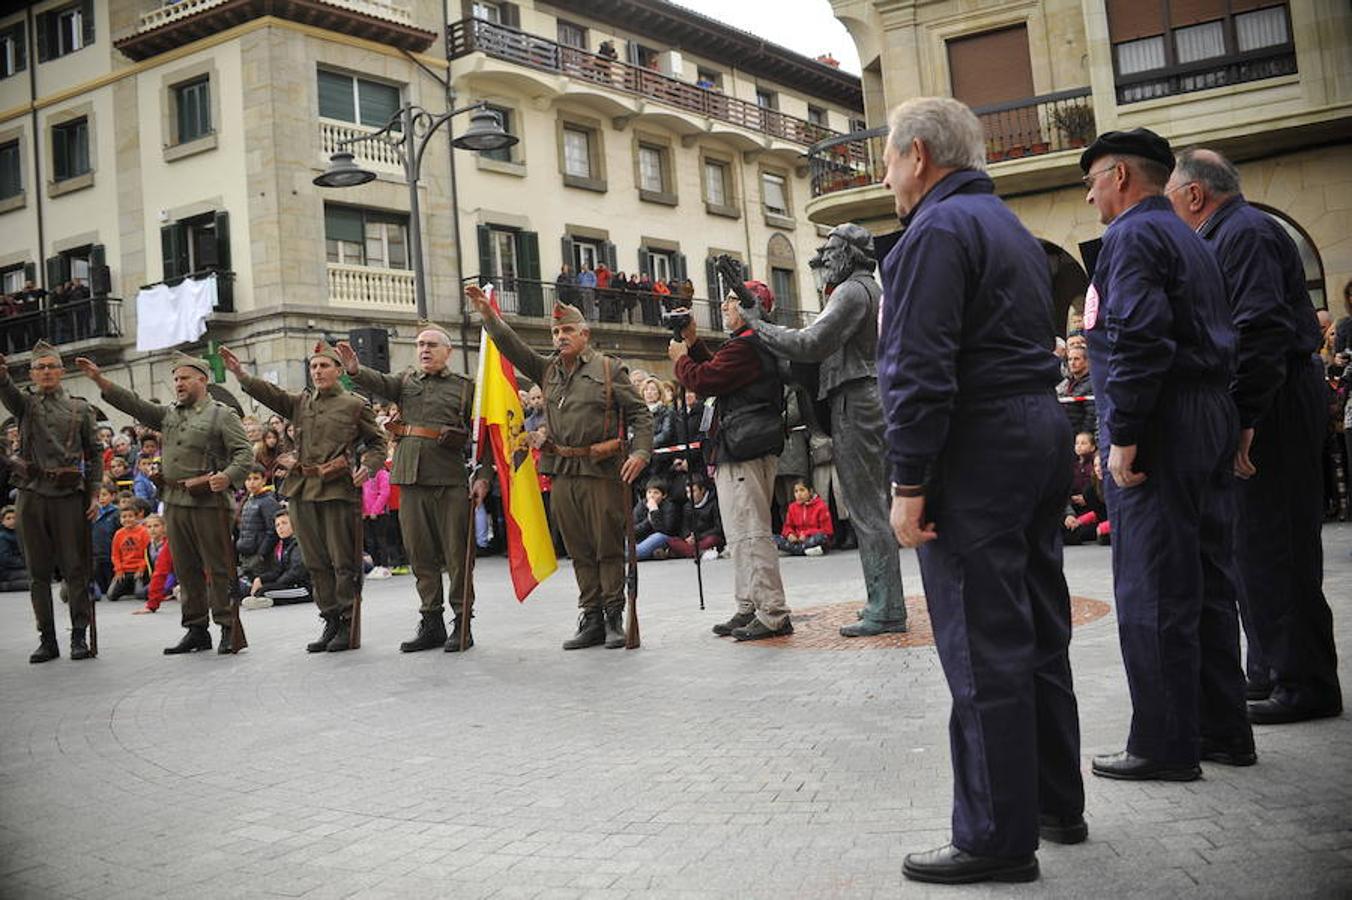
[{"x": 761, "y": 291}]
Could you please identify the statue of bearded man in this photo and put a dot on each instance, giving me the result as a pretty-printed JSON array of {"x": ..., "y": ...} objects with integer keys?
[{"x": 844, "y": 340}]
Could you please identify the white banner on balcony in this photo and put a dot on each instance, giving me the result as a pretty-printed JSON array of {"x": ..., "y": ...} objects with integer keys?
[{"x": 168, "y": 316}]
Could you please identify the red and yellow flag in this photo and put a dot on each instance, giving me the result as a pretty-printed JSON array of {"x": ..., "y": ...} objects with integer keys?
[{"x": 502, "y": 424}]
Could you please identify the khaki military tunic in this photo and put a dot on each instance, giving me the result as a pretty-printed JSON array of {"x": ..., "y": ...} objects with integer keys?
[
  {"x": 589, "y": 502},
  {"x": 432, "y": 479},
  {"x": 56, "y": 432},
  {"x": 326, "y": 515},
  {"x": 196, "y": 439}
]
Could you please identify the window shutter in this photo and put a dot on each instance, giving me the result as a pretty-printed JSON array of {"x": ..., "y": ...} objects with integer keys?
[
  {"x": 342, "y": 223},
  {"x": 45, "y": 31},
  {"x": 1191, "y": 12},
  {"x": 566, "y": 247},
  {"x": 377, "y": 103},
  {"x": 680, "y": 273},
  {"x": 645, "y": 264},
  {"x": 335, "y": 97},
  {"x": 20, "y": 35},
  {"x": 528, "y": 255},
  {"x": 87, "y": 20},
  {"x": 1132, "y": 19},
  {"x": 97, "y": 255},
  {"x": 612, "y": 260},
  {"x": 511, "y": 14},
  {"x": 54, "y": 272},
  {"x": 30, "y": 272},
  {"x": 222, "y": 224},
  {"x": 631, "y": 52},
  {"x": 711, "y": 279},
  {"x": 174, "y": 249},
  {"x": 485, "y": 235}
]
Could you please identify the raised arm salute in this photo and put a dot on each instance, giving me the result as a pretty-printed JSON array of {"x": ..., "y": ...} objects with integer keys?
[
  {"x": 205, "y": 451},
  {"x": 332, "y": 426}
]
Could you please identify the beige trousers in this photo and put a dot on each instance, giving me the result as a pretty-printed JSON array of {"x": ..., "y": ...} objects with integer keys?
[{"x": 744, "y": 492}]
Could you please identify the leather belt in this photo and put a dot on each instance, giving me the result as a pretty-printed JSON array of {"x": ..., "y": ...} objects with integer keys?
[
  {"x": 600, "y": 450},
  {"x": 399, "y": 429}
]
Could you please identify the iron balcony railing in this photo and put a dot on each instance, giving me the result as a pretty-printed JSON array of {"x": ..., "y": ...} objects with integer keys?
[
  {"x": 513, "y": 45},
  {"x": 1031, "y": 127},
  {"x": 62, "y": 323},
  {"x": 1211, "y": 73}
]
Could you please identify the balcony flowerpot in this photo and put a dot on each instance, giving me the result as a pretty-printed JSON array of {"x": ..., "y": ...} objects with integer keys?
[
  {"x": 1076, "y": 123},
  {"x": 1039, "y": 148}
]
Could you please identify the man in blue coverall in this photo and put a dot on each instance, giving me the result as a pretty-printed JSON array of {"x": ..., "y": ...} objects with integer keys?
[
  {"x": 1283, "y": 416},
  {"x": 1163, "y": 348},
  {"x": 981, "y": 458}
]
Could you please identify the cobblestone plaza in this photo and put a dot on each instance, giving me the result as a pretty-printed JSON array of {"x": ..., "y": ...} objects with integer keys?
[{"x": 693, "y": 767}]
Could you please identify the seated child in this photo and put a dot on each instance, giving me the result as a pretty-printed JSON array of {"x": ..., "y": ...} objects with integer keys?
[
  {"x": 1086, "y": 512},
  {"x": 13, "y": 572},
  {"x": 656, "y": 521},
  {"x": 162, "y": 580},
  {"x": 105, "y": 526},
  {"x": 285, "y": 580},
  {"x": 129, "y": 554},
  {"x": 699, "y": 517},
  {"x": 807, "y": 524}
]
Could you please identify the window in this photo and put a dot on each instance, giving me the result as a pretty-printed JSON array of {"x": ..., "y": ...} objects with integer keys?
[
  {"x": 365, "y": 237},
  {"x": 661, "y": 264},
  {"x": 65, "y": 29},
  {"x": 357, "y": 100},
  {"x": 651, "y": 175},
  {"x": 192, "y": 106},
  {"x": 488, "y": 12},
  {"x": 640, "y": 55},
  {"x": 1261, "y": 28},
  {"x": 70, "y": 149},
  {"x": 715, "y": 183},
  {"x": 774, "y": 196},
  {"x": 1199, "y": 42},
  {"x": 13, "y": 55},
  {"x": 571, "y": 35},
  {"x": 196, "y": 244},
  {"x": 816, "y": 115},
  {"x": 785, "y": 287},
  {"x": 1309, "y": 256},
  {"x": 577, "y": 153},
  {"x": 1140, "y": 56},
  {"x": 766, "y": 99},
  {"x": 710, "y": 79},
  {"x": 586, "y": 254},
  {"x": 502, "y": 154},
  {"x": 12, "y": 279},
  {"x": 11, "y": 175}
]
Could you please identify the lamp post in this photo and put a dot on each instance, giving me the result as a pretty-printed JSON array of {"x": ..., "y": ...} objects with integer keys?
[{"x": 408, "y": 133}]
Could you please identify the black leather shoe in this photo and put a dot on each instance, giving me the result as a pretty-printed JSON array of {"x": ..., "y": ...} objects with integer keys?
[
  {"x": 431, "y": 634},
  {"x": 1237, "y": 752},
  {"x": 46, "y": 652},
  {"x": 197, "y": 637},
  {"x": 740, "y": 620},
  {"x": 1062, "y": 829},
  {"x": 453, "y": 643},
  {"x": 1127, "y": 767},
  {"x": 949, "y": 865},
  {"x": 78, "y": 648},
  {"x": 342, "y": 639},
  {"x": 1257, "y": 690},
  {"x": 591, "y": 631},
  {"x": 865, "y": 628},
  {"x": 330, "y": 629},
  {"x": 1274, "y": 712},
  {"x": 615, "y": 628},
  {"x": 759, "y": 631}
]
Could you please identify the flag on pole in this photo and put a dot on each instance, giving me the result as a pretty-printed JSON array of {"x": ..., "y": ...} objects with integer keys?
[{"x": 501, "y": 422}]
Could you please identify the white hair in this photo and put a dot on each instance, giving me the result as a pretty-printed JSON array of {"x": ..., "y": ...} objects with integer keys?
[{"x": 950, "y": 131}]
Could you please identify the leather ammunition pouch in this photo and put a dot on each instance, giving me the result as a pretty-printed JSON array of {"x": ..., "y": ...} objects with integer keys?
[
  {"x": 197, "y": 486},
  {"x": 64, "y": 478},
  {"x": 329, "y": 470}
]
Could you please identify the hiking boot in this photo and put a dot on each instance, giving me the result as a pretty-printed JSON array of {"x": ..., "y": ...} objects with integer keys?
[
  {"x": 453, "y": 642},
  {"x": 197, "y": 637},
  {"x": 759, "y": 631},
  {"x": 226, "y": 645},
  {"x": 740, "y": 620},
  {"x": 591, "y": 630},
  {"x": 330, "y": 630},
  {"x": 78, "y": 648},
  {"x": 47, "y": 651},
  {"x": 342, "y": 639},
  {"x": 431, "y": 634},
  {"x": 869, "y": 628},
  {"x": 615, "y": 628}
]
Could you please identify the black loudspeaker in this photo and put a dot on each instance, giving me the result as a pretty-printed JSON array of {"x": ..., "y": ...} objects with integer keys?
[
  {"x": 100, "y": 281},
  {"x": 372, "y": 346}
]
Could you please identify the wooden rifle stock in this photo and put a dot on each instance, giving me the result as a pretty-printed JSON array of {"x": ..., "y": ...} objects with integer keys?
[
  {"x": 354, "y": 623},
  {"x": 631, "y": 633},
  {"x": 238, "y": 640}
]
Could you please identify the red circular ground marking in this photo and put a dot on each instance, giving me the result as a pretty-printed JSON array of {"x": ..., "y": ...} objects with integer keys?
[{"x": 818, "y": 627}]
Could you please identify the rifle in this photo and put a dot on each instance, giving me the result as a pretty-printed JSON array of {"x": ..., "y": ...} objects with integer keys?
[
  {"x": 238, "y": 641},
  {"x": 93, "y": 626},
  {"x": 467, "y": 591},
  {"x": 354, "y": 623},
  {"x": 631, "y": 635}
]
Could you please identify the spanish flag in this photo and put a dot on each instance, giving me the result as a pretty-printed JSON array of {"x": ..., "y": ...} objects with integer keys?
[{"x": 502, "y": 424}]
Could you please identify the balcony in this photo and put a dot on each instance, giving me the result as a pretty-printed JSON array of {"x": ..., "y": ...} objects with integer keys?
[
  {"x": 512, "y": 45},
  {"x": 367, "y": 287},
  {"x": 378, "y": 156},
  {"x": 88, "y": 322},
  {"x": 1211, "y": 73},
  {"x": 1033, "y": 127},
  {"x": 174, "y": 23}
]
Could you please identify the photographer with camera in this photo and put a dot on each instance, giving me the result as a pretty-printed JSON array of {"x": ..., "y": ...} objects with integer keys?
[{"x": 745, "y": 440}]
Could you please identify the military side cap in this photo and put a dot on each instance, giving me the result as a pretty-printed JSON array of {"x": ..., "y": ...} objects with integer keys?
[
  {"x": 181, "y": 359},
  {"x": 42, "y": 348},
  {"x": 428, "y": 325},
  {"x": 1138, "y": 142},
  {"x": 322, "y": 348},
  {"x": 567, "y": 315}
]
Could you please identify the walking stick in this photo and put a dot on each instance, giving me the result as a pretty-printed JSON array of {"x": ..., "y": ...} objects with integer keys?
[
  {"x": 687, "y": 446},
  {"x": 467, "y": 590},
  {"x": 354, "y": 623},
  {"x": 238, "y": 641}
]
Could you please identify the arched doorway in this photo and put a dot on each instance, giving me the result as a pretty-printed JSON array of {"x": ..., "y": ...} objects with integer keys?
[
  {"x": 783, "y": 277},
  {"x": 1309, "y": 256},
  {"x": 1069, "y": 284}
]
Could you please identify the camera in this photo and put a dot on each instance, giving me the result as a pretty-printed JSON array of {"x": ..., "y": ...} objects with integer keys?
[{"x": 677, "y": 322}]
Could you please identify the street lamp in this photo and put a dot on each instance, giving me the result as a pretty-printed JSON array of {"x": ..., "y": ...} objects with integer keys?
[{"x": 408, "y": 133}]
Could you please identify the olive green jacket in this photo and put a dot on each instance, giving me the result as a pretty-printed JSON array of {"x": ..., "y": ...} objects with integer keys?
[
  {"x": 329, "y": 424},
  {"x": 426, "y": 401},
  {"x": 575, "y": 404},
  {"x": 55, "y": 431},
  {"x": 195, "y": 440}
]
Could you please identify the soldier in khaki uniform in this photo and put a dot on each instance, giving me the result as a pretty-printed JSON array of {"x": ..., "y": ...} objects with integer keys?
[
  {"x": 323, "y": 491},
  {"x": 435, "y": 407},
  {"x": 204, "y": 451},
  {"x": 588, "y": 400},
  {"x": 57, "y": 473}
]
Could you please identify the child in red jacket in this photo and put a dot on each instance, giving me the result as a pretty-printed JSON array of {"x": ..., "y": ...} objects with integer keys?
[
  {"x": 807, "y": 524},
  {"x": 129, "y": 554}
]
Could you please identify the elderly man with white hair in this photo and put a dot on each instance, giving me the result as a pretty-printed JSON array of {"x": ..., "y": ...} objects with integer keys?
[{"x": 981, "y": 464}]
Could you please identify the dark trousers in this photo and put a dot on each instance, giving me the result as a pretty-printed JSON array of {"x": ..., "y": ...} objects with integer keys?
[
  {"x": 1175, "y": 579},
  {"x": 203, "y": 555},
  {"x": 435, "y": 522},
  {"x": 591, "y": 513},
  {"x": 373, "y": 534},
  {"x": 1281, "y": 559},
  {"x": 1001, "y": 616},
  {"x": 55, "y": 534},
  {"x": 330, "y": 544}
]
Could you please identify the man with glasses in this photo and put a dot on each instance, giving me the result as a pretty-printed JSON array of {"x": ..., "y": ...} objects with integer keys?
[
  {"x": 57, "y": 471},
  {"x": 1163, "y": 349}
]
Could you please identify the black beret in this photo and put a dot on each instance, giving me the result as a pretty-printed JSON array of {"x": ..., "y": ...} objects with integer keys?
[{"x": 1138, "y": 142}]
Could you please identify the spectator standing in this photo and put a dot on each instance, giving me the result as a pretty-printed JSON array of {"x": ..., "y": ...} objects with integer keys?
[
  {"x": 1282, "y": 399},
  {"x": 565, "y": 284},
  {"x": 980, "y": 455},
  {"x": 586, "y": 283},
  {"x": 257, "y": 537},
  {"x": 1163, "y": 349},
  {"x": 807, "y": 524},
  {"x": 375, "y": 501},
  {"x": 105, "y": 525},
  {"x": 1077, "y": 384}
]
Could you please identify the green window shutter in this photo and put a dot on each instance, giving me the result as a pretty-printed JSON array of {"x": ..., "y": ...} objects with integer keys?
[
  {"x": 377, "y": 103},
  {"x": 645, "y": 264},
  {"x": 30, "y": 272},
  {"x": 711, "y": 280},
  {"x": 87, "y": 21},
  {"x": 45, "y": 34},
  {"x": 528, "y": 255},
  {"x": 98, "y": 256},
  {"x": 20, "y": 47},
  {"x": 222, "y": 224},
  {"x": 485, "y": 236},
  {"x": 342, "y": 223},
  {"x": 174, "y": 249},
  {"x": 335, "y": 97},
  {"x": 608, "y": 251},
  {"x": 679, "y": 273},
  {"x": 54, "y": 272},
  {"x": 566, "y": 246}
]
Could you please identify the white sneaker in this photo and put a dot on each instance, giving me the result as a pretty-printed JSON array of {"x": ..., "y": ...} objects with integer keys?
[
  {"x": 813, "y": 551},
  {"x": 252, "y": 602},
  {"x": 708, "y": 555},
  {"x": 380, "y": 572}
]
